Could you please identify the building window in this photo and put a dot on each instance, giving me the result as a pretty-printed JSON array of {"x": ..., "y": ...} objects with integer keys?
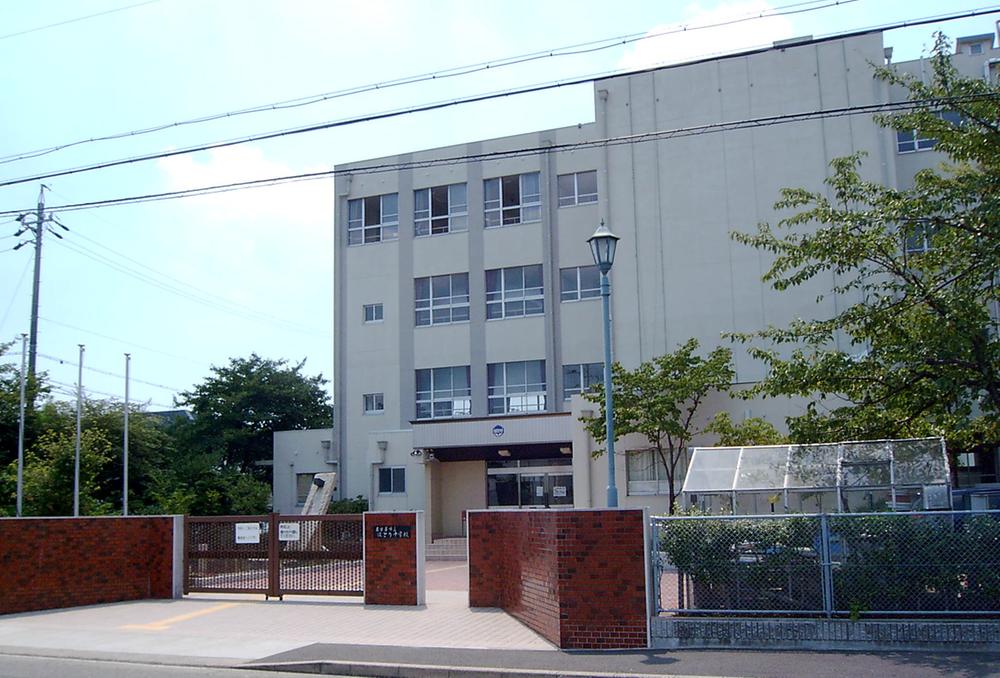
[
  {"x": 577, "y": 189},
  {"x": 392, "y": 480},
  {"x": 580, "y": 282},
  {"x": 645, "y": 473},
  {"x": 976, "y": 48},
  {"x": 966, "y": 459},
  {"x": 374, "y": 403},
  {"x": 441, "y": 209},
  {"x": 579, "y": 378},
  {"x": 514, "y": 292},
  {"x": 373, "y": 313},
  {"x": 918, "y": 239},
  {"x": 441, "y": 299},
  {"x": 444, "y": 392},
  {"x": 516, "y": 387},
  {"x": 373, "y": 219},
  {"x": 513, "y": 199},
  {"x": 303, "y": 483},
  {"x": 908, "y": 141}
]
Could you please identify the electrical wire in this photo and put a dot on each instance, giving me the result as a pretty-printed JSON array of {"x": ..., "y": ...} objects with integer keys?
[
  {"x": 568, "y": 50},
  {"x": 63, "y": 361},
  {"x": 70, "y": 390},
  {"x": 421, "y": 109},
  {"x": 17, "y": 289},
  {"x": 644, "y": 137},
  {"x": 79, "y": 18},
  {"x": 250, "y": 314},
  {"x": 124, "y": 342},
  {"x": 175, "y": 282}
]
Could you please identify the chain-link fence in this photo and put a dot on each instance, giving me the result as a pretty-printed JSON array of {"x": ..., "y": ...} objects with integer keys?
[{"x": 932, "y": 563}]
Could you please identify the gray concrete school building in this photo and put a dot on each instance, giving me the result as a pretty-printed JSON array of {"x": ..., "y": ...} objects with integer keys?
[{"x": 467, "y": 308}]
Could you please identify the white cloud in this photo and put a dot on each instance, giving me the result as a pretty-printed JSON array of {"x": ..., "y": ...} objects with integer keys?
[{"x": 698, "y": 42}]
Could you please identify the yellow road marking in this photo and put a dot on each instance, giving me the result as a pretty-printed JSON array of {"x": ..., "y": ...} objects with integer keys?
[{"x": 167, "y": 623}]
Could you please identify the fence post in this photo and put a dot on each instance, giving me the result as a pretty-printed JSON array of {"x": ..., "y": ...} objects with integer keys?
[
  {"x": 826, "y": 565},
  {"x": 273, "y": 554}
]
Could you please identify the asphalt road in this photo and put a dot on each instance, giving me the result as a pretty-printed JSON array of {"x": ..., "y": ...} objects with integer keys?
[{"x": 23, "y": 666}]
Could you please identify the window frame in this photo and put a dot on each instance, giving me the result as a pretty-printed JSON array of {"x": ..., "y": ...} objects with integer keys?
[
  {"x": 594, "y": 369},
  {"x": 502, "y": 302},
  {"x": 393, "y": 474},
  {"x": 455, "y": 218},
  {"x": 657, "y": 486},
  {"x": 378, "y": 313},
  {"x": 381, "y": 228},
  {"x": 439, "y": 395},
  {"x": 506, "y": 209},
  {"x": 575, "y": 197},
  {"x": 431, "y": 304},
  {"x": 531, "y": 400},
  {"x": 377, "y": 401},
  {"x": 916, "y": 143},
  {"x": 578, "y": 293}
]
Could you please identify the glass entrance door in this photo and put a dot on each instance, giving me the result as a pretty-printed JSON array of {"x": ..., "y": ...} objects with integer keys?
[{"x": 529, "y": 483}]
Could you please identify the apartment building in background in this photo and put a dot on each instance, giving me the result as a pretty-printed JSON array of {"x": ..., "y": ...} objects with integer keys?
[{"x": 467, "y": 308}]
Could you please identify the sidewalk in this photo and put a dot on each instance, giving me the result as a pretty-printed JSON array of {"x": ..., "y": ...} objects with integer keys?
[{"x": 443, "y": 638}]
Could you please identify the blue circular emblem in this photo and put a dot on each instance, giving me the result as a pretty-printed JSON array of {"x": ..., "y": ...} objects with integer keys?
[{"x": 498, "y": 430}]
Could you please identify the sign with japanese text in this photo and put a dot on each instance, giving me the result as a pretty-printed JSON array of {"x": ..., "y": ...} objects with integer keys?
[{"x": 392, "y": 531}]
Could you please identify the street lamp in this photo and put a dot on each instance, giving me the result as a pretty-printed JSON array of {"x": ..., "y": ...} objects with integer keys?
[{"x": 602, "y": 246}]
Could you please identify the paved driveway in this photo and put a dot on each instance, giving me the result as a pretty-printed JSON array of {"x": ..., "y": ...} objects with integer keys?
[{"x": 242, "y": 627}]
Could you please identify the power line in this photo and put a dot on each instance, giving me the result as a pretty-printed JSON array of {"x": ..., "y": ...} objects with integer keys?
[
  {"x": 63, "y": 361},
  {"x": 568, "y": 50},
  {"x": 644, "y": 137},
  {"x": 174, "y": 282},
  {"x": 124, "y": 342},
  {"x": 17, "y": 289},
  {"x": 228, "y": 307},
  {"x": 79, "y": 18},
  {"x": 70, "y": 390},
  {"x": 427, "y": 107}
]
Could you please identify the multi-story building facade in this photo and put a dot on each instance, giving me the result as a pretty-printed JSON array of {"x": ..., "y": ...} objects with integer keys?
[{"x": 467, "y": 308}]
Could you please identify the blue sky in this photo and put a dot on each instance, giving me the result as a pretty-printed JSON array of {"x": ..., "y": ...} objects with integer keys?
[{"x": 183, "y": 285}]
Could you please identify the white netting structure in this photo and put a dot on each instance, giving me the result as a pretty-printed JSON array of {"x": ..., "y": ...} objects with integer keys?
[{"x": 848, "y": 477}]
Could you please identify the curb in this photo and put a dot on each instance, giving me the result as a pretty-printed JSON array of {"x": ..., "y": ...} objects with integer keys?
[{"x": 389, "y": 670}]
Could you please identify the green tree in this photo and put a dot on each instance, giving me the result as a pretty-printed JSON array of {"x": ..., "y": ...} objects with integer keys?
[
  {"x": 238, "y": 409},
  {"x": 918, "y": 268},
  {"x": 10, "y": 406},
  {"x": 49, "y": 471},
  {"x": 659, "y": 400},
  {"x": 750, "y": 431}
]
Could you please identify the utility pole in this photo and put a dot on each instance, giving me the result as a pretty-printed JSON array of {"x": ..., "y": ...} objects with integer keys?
[
  {"x": 37, "y": 230},
  {"x": 33, "y": 341}
]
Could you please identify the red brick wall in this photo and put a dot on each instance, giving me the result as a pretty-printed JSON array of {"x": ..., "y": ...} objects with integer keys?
[
  {"x": 391, "y": 564},
  {"x": 513, "y": 565},
  {"x": 576, "y": 577},
  {"x": 48, "y": 563}
]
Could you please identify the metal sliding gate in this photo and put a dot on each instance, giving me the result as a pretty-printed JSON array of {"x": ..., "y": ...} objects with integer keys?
[{"x": 274, "y": 555}]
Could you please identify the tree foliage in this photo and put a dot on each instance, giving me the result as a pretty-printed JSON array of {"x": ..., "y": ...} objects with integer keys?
[
  {"x": 924, "y": 356},
  {"x": 238, "y": 409},
  {"x": 750, "y": 431},
  {"x": 659, "y": 400}
]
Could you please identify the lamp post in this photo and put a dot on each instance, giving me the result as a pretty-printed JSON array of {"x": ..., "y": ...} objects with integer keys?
[{"x": 602, "y": 246}]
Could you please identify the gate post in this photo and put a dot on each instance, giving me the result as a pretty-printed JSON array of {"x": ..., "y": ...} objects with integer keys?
[
  {"x": 273, "y": 556},
  {"x": 826, "y": 565},
  {"x": 394, "y": 558}
]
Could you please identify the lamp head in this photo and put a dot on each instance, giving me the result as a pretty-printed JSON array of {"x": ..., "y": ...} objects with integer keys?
[{"x": 602, "y": 246}]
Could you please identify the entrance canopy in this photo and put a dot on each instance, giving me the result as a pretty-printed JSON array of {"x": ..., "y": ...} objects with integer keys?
[{"x": 893, "y": 474}]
